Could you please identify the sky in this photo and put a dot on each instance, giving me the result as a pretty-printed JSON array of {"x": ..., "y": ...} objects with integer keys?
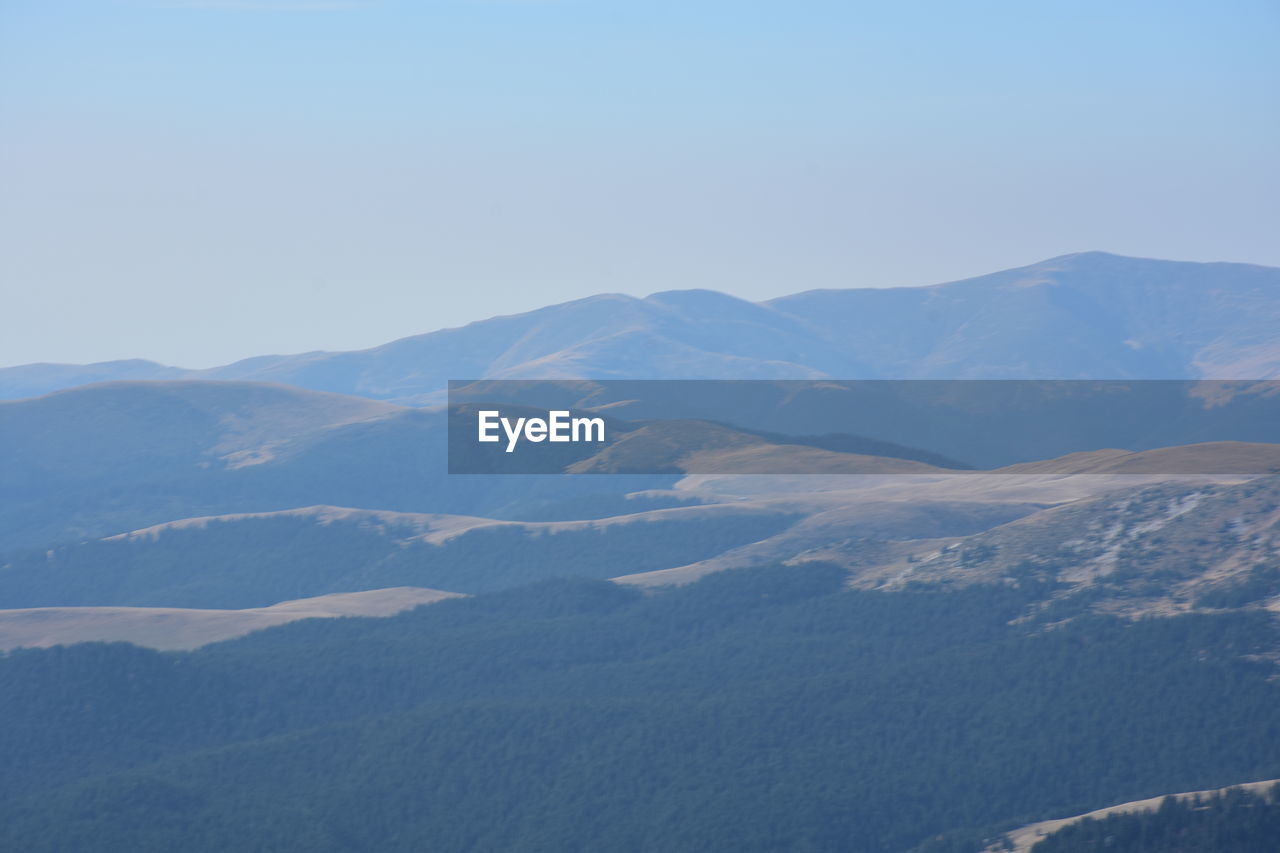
[{"x": 197, "y": 182}]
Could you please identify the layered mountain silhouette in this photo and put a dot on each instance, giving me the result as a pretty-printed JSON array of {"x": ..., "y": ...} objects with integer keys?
[
  {"x": 1090, "y": 315},
  {"x": 1031, "y": 601}
]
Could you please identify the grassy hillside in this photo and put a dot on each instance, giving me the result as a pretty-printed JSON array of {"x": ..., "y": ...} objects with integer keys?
[{"x": 190, "y": 628}]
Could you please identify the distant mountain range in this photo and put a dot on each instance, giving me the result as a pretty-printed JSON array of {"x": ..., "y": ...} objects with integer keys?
[
  {"x": 825, "y": 629},
  {"x": 1090, "y": 315}
]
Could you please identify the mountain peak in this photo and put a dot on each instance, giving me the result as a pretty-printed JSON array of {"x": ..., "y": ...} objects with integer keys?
[{"x": 692, "y": 296}]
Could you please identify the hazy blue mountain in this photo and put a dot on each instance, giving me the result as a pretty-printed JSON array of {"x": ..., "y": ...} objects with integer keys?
[
  {"x": 1085, "y": 316},
  {"x": 1089, "y": 315},
  {"x": 31, "y": 380}
]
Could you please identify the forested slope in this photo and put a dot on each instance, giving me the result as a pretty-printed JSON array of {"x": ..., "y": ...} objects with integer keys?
[{"x": 766, "y": 709}]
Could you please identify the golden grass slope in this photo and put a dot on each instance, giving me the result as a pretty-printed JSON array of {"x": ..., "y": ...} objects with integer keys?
[
  {"x": 1024, "y": 838},
  {"x": 172, "y": 628}
]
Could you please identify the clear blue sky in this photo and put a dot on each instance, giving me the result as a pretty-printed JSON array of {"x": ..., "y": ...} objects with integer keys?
[{"x": 195, "y": 182}]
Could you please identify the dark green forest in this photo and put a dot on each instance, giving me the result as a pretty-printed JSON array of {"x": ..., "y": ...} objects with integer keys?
[
  {"x": 764, "y": 709},
  {"x": 1236, "y": 820}
]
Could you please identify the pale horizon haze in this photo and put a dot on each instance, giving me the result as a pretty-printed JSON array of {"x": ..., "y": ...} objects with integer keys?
[{"x": 199, "y": 182}]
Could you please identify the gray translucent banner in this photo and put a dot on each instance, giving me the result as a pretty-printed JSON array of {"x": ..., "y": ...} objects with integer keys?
[{"x": 863, "y": 427}]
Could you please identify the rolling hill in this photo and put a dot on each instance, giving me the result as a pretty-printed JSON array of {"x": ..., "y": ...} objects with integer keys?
[
  {"x": 103, "y": 459},
  {"x": 249, "y": 560}
]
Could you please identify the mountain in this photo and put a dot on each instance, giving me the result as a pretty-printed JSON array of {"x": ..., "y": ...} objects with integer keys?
[
  {"x": 111, "y": 428},
  {"x": 907, "y": 654},
  {"x": 33, "y": 380},
  {"x": 103, "y": 459},
  {"x": 1086, "y": 316},
  {"x": 121, "y": 455},
  {"x": 1090, "y": 315}
]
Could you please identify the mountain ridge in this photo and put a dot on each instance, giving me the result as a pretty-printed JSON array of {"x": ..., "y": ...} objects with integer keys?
[{"x": 1084, "y": 315}]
